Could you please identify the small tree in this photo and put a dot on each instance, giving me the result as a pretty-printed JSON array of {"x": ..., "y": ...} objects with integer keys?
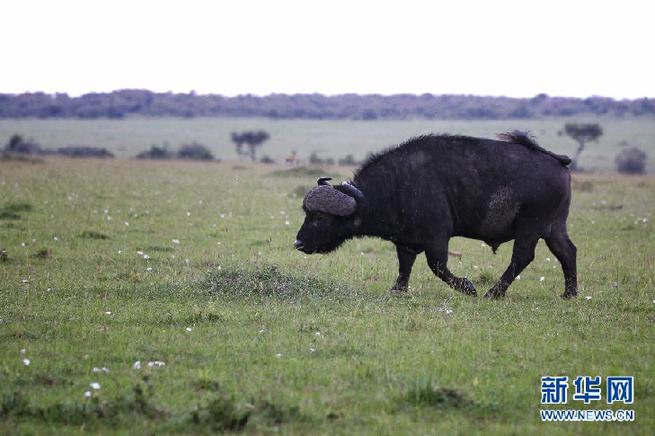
[
  {"x": 582, "y": 134},
  {"x": 14, "y": 142},
  {"x": 156, "y": 152},
  {"x": 17, "y": 144},
  {"x": 349, "y": 159},
  {"x": 631, "y": 161},
  {"x": 253, "y": 139},
  {"x": 195, "y": 151},
  {"x": 238, "y": 140}
]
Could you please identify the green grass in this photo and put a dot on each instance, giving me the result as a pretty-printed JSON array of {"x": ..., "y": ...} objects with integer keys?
[
  {"x": 281, "y": 341},
  {"x": 329, "y": 138}
]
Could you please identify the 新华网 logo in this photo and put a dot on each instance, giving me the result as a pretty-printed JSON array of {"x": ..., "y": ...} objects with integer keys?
[{"x": 587, "y": 390}]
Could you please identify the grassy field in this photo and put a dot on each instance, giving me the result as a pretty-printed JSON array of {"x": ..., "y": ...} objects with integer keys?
[
  {"x": 329, "y": 138},
  {"x": 191, "y": 264}
]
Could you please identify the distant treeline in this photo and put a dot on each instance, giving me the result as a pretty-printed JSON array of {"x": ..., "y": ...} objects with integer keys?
[{"x": 119, "y": 104}]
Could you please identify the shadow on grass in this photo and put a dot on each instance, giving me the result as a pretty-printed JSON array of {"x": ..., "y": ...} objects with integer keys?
[
  {"x": 423, "y": 393},
  {"x": 92, "y": 234},
  {"x": 222, "y": 413},
  {"x": 269, "y": 281},
  {"x": 116, "y": 410},
  {"x": 12, "y": 211}
]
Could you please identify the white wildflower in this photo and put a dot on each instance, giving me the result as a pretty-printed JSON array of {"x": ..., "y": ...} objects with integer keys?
[
  {"x": 26, "y": 361},
  {"x": 146, "y": 257},
  {"x": 107, "y": 312},
  {"x": 140, "y": 253},
  {"x": 287, "y": 222},
  {"x": 311, "y": 350},
  {"x": 189, "y": 329},
  {"x": 156, "y": 364},
  {"x": 87, "y": 394},
  {"x": 318, "y": 333},
  {"x": 188, "y": 214},
  {"x": 175, "y": 241},
  {"x": 542, "y": 278},
  {"x": 263, "y": 330},
  {"x": 126, "y": 223},
  {"x": 588, "y": 297},
  {"x": 518, "y": 277},
  {"x": 94, "y": 385},
  {"x": 278, "y": 355},
  {"x": 136, "y": 365},
  {"x": 55, "y": 238},
  {"x": 24, "y": 281},
  {"x": 548, "y": 259},
  {"x": 96, "y": 370},
  {"x": 149, "y": 269}
]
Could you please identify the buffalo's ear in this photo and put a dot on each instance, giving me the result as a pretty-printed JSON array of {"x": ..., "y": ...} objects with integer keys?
[{"x": 323, "y": 181}]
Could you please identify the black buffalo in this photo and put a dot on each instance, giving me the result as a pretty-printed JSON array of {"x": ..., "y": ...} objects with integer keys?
[{"x": 422, "y": 193}]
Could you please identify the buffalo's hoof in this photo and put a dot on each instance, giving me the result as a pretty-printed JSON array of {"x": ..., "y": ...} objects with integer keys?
[
  {"x": 465, "y": 286},
  {"x": 491, "y": 295},
  {"x": 398, "y": 291},
  {"x": 497, "y": 291},
  {"x": 569, "y": 294},
  {"x": 495, "y": 294}
]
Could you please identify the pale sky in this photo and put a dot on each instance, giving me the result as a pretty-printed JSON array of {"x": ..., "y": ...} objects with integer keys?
[{"x": 494, "y": 47}]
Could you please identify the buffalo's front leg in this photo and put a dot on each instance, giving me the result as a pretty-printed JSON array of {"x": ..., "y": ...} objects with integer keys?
[
  {"x": 406, "y": 258},
  {"x": 437, "y": 257},
  {"x": 522, "y": 255}
]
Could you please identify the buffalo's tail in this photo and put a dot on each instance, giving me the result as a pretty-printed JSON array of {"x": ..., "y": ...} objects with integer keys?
[{"x": 526, "y": 140}]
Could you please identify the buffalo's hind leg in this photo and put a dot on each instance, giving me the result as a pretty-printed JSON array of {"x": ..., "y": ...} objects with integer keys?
[
  {"x": 437, "y": 256},
  {"x": 522, "y": 255},
  {"x": 406, "y": 258},
  {"x": 561, "y": 246}
]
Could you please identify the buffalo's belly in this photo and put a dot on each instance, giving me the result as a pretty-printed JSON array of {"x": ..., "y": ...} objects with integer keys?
[{"x": 494, "y": 217}]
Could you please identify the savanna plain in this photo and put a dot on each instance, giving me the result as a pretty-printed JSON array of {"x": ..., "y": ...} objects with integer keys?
[{"x": 166, "y": 297}]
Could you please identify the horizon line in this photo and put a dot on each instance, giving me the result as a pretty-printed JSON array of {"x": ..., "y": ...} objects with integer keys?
[{"x": 271, "y": 94}]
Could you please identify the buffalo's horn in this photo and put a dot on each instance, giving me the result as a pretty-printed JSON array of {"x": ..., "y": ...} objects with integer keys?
[
  {"x": 323, "y": 180},
  {"x": 349, "y": 188},
  {"x": 327, "y": 199}
]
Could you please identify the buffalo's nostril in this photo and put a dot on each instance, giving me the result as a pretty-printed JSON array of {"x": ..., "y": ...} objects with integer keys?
[{"x": 298, "y": 244}]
